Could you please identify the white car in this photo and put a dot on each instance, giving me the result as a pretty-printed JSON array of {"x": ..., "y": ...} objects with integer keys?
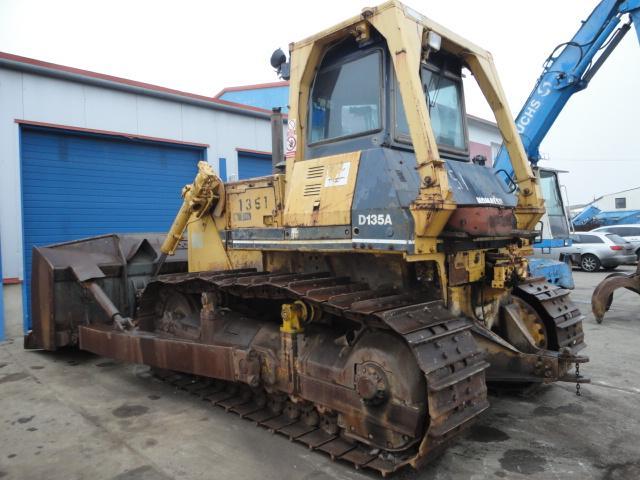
[
  {"x": 592, "y": 250},
  {"x": 631, "y": 233}
]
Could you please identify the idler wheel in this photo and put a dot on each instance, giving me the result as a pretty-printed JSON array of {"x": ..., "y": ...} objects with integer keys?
[
  {"x": 180, "y": 315},
  {"x": 371, "y": 384}
]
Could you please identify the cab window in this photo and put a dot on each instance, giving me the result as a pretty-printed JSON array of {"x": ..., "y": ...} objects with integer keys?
[
  {"x": 346, "y": 99},
  {"x": 446, "y": 111},
  {"x": 553, "y": 204},
  {"x": 445, "y": 108}
]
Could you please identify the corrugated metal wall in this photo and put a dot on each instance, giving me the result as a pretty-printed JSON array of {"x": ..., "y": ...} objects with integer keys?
[
  {"x": 253, "y": 165},
  {"x": 77, "y": 185}
]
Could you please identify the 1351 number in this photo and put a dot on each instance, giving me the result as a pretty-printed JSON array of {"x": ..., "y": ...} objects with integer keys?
[{"x": 255, "y": 203}]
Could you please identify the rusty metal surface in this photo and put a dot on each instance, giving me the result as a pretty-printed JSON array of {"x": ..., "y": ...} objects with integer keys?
[
  {"x": 42, "y": 304},
  {"x": 409, "y": 412},
  {"x": 442, "y": 345},
  {"x": 353, "y": 395},
  {"x": 149, "y": 349},
  {"x": 412, "y": 418},
  {"x": 562, "y": 317},
  {"x": 452, "y": 364},
  {"x": 540, "y": 337},
  {"x": 602, "y": 296},
  {"x": 482, "y": 221},
  {"x": 113, "y": 266},
  {"x": 510, "y": 365}
]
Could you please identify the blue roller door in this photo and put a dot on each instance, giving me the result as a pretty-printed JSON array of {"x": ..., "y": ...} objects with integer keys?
[
  {"x": 252, "y": 165},
  {"x": 76, "y": 185}
]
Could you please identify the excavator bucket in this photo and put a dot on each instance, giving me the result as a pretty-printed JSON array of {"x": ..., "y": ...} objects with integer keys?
[
  {"x": 602, "y": 296},
  {"x": 90, "y": 280}
]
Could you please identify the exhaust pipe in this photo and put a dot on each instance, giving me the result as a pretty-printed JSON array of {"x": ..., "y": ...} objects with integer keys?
[{"x": 277, "y": 141}]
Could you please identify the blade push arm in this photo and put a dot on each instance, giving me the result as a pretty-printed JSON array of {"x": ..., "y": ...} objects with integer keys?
[{"x": 203, "y": 195}]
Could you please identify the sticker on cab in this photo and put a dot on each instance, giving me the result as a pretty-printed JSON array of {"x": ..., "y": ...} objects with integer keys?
[
  {"x": 339, "y": 178},
  {"x": 292, "y": 139}
]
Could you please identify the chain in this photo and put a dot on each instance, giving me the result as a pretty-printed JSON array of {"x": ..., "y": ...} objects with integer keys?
[{"x": 578, "y": 380}]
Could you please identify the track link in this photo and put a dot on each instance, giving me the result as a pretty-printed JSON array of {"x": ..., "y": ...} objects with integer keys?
[
  {"x": 234, "y": 398},
  {"x": 562, "y": 317},
  {"x": 442, "y": 344}
]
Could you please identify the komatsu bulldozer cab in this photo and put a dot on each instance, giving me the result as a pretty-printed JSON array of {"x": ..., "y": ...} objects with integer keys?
[
  {"x": 384, "y": 115},
  {"x": 355, "y": 102}
]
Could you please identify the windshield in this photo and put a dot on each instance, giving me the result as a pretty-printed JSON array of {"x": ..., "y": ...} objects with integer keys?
[
  {"x": 346, "y": 99},
  {"x": 444, "y": 98},
  {"x": 553, "y": 204}
]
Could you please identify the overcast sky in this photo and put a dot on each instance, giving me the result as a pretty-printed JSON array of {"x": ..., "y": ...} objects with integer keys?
[{"x": 203, "y": 46}]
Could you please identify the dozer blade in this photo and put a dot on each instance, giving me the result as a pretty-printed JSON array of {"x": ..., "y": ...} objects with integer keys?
[{"x": 90, "y": 281}]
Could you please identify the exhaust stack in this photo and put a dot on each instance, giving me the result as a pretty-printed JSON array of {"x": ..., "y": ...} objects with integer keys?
[{"x": 277, "y": 141}]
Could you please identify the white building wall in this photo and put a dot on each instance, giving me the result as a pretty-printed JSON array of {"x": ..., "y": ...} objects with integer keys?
[
  {"x": 122, "y": 110},
  {"x": 486, "y": 133},
  {"x": 31, "y": 97},
  {"x": 481, "y": 132},
  {"x": 240, "y": 133},
  {"x": 608, "y": 202},
  {"x": 11, "y": 107}
]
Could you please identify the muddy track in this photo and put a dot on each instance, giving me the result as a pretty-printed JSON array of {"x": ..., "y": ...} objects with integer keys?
[
  {"x": 561, "y": 316},
  {"x": 442, "y": 344}
]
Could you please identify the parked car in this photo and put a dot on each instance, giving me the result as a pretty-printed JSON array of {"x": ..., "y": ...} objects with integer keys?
[
  {"x": 631, "y": 233},
  {"x": 593, "y": 250}
]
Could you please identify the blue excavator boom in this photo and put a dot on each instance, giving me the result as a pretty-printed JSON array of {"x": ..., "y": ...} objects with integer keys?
[{"x": 568, "y": 70}]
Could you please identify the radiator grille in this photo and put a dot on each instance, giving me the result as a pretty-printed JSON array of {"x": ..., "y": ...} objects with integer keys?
[
  {"x": 315, "y": 172},
  {"x": 312, "y": 189}
]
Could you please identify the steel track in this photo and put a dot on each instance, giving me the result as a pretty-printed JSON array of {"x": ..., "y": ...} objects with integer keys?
[{"x": 442, "y": 344}]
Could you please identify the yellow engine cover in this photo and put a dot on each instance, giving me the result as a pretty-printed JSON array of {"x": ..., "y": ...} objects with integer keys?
[{"x": 321, "y": 191}]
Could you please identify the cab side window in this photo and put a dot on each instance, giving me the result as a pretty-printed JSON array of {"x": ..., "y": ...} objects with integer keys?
[{"x": 346, "y": 99}]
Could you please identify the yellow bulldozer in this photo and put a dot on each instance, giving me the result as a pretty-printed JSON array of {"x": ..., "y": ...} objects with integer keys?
[{"x": 360, "y": 299}]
